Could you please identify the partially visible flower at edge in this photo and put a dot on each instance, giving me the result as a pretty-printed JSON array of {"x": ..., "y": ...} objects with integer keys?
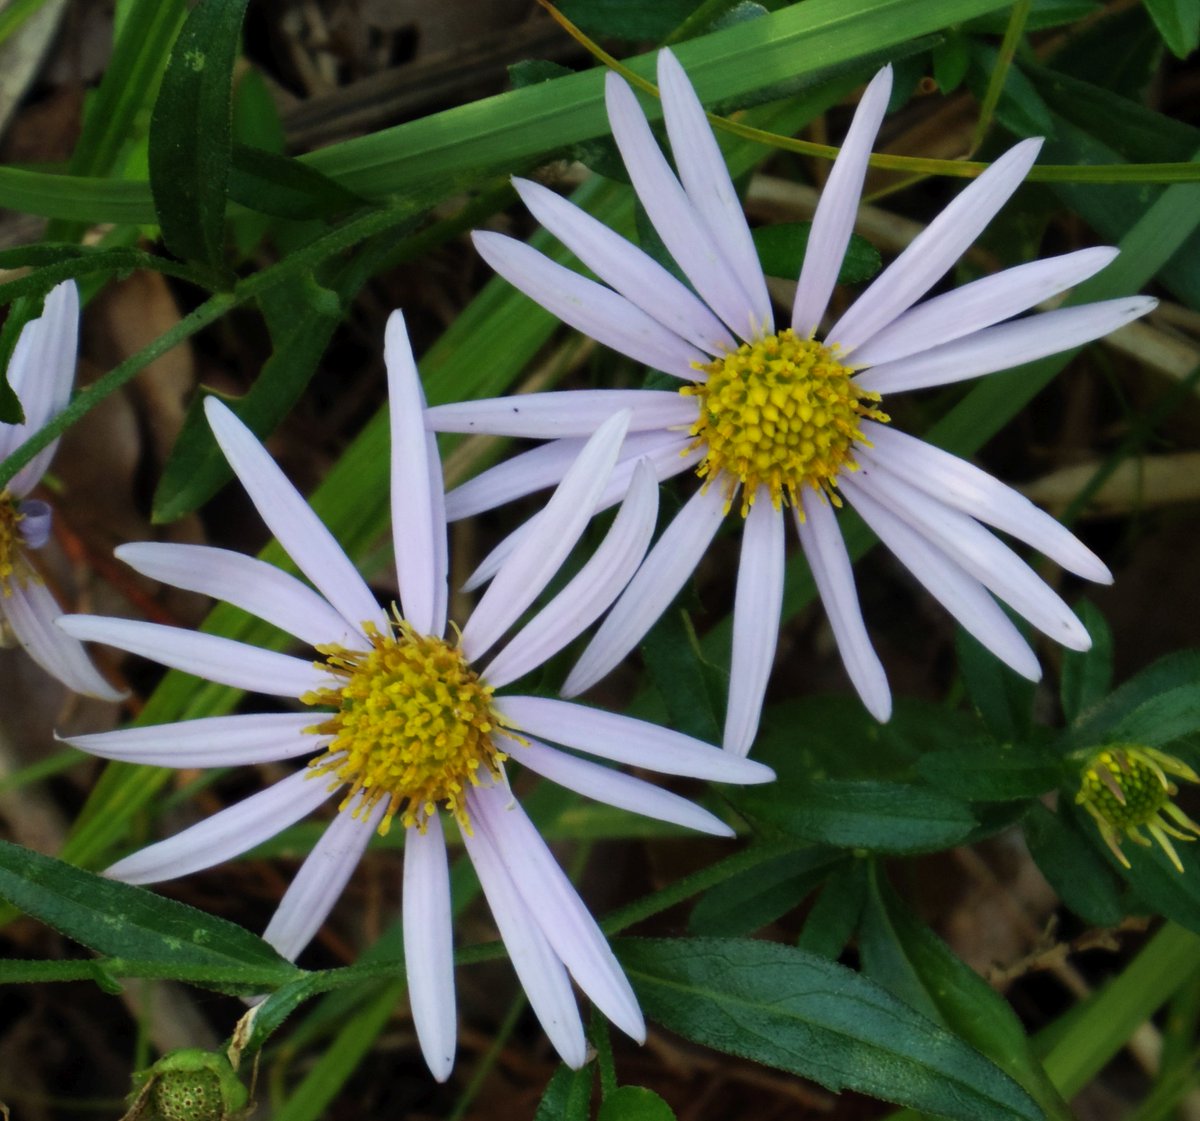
[
  {"x": 1125, "y": 788},
  {"x": 772, "y": 418},
  {"x": 410, "y": 726},
  {"x": 41, "y": 373}
]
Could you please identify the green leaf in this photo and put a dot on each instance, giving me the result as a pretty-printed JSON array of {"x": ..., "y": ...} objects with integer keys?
[
  {"x": 1178, "y": 22},
  {"x": 1100, "y": 724},
  {"x": 876, "y": 816},
  {"x": 1069, "y": 861},
  {"x": 748, "y": 902},
  {"x": 691, "y": 688},
  {"x": 284, "y": 187},
  {"x": 1020, "y": 109},
  {"x": 568, "y": 1096},
  {"x": 810, "y": 1016},
  {"x": 991, "y": 772},
  {"x": 191, "y": 133},
  {"x": 53, "y": 262},
  {"x": 1087, "y": 675},
  {"x": 628, "y": 19},
  {"x": 910, "y": 961},
  {"x": 781, "y": 251},
  {"x": 951, "y": 58},
  {"x": 634, "y": 1103},
  {"x": 1042, "y": 14},
  {"x": 122, "y": 921},
  {"x": 834, "y": 916},
  {"x": 1170, "y": 715},
  {"x": 1002, "y": 697}
]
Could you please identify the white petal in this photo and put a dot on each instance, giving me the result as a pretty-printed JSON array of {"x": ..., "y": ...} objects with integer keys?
[
  {"x": 603, "y": 784},
  {"x": 664, "y": 571},
  {"x": 541, "y": 552},
  {"x": 41, "y": 373},
  {"x": 301, "y": 533},
  {"x": 984, "y": 556},
  {"x": 833, "y": 222},
  {"x": 965, "y": 487},
  {"x": 625, "y": 740},
  {"x": 246, "y": 582},
  {"x": 708, "y": 185},
  {"x": 756, "y": 609},
  {"x": 934, "y": 249},
  {"x": 980, "y": 304},
  {"x": 625, "y": 268},
  {"x": 441, "y": 541},
  {"x": 213, "y": 741},
  {"x": 320, "y": 880},
  {"x": 227, "y": 834},
  {"x": 960, "y": 594},
  {"x": 542, "y": 975},
  {"x": 674, "y": 217},
  {"x": 415, "y": 525},
  {"x": 429, "y": 945},
  {"x": 589, "y": 307},
  {"x": 570, "y": 412},
  {"x": 32, "y": 613},
  {"x": 591, "y": 590},
  {"x": 558, "y": 910},
  {"x": 825, "y": 551},
  {"x": 206, "y": 655},
  {"x": 1005, "y": 346}
]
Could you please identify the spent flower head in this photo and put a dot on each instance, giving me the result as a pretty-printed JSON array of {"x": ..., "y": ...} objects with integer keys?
[
  {"x": 1126, "y": 788},
  {"x": 41, "y": 373},
  {"x": 785, "y": 422},
  {"x": 412, "y": 722}
]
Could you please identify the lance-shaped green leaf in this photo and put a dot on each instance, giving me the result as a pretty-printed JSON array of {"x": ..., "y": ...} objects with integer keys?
[
  {"x": 191, "y": 133},
  {"x": 274, "y": 184},
  {"x": 123, "y": 921},
  {"x": 1071, "y": 864},
  {"x": 781, "y": 251},
  {"x": 810, "y": 1016},
  {"x": 1087, "y": 675},
  {"x": 1178, "y": 22},
  {"x": 992, "y": 772},
  {"x": 634, "y": 1103},
  {"x": 568, "y": 1096}
]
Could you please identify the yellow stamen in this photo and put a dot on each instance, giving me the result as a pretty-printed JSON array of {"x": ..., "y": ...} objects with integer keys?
[
  {"x": 12, "y": 564},
  {"x": 1125, "y": 788},
  {"x": 782, "y": 413},
  {"x": 413, "y": 724}
]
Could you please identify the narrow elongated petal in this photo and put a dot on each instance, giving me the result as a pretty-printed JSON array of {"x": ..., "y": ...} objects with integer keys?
[
  {"x": 441, "y": 543},
  {"x": 558, "y": 910},
  {"x": 542, "y": 975},
  {"x": 674, "y": 217},
  {"x": 573, "y": 412},
  {"x": 590, "y": 592},
  {"x": 589, "y": 307},
  {"x": 551, "y": 537},
  {"x": 625, "y": 268},
  {"x": 32, "y": 612},
  {"x": 246, "y": 582},
  {"x": 602, "y": 784},
  {"x": 41, "y": 373},
  {"x": 292, "y": 521},
  {"x": 213, "y": 741},
  {"x": 321, "y": 878},
  {"x": 416, "y": 527},
  {"x": 980, "y": 304},
  {"x": 756, "y": 608},
  {"x": 826, "y": 554},
  {"x": 663, "y": 572},
  {"x": 1006, "y": 345},
  {"x": 625, "y": 740},
  {"x": 227, "y": 834},
  {"x": 984, "y": 556},
  {"x": 934, "y": 250},
  {"x": 429, "y": 945},
  {"x": 708, "y": 186},
  {"x": 960, "y": 594},
  {"x": 833, "y": 223},
  {"x": 206, "y": 655},
  {"x": 965, "y": 487}
]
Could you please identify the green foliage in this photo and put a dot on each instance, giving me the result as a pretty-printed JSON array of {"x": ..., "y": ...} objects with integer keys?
[
  {"x": 781, "y": 250},
  {"x": 634, "y": 1103},
  {"x": 1178, "y": 22},
  {"x": 568, "y": 1096}
]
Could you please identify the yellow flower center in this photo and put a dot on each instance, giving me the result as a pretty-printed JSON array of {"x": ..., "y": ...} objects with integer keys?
[
  {"x": 11, "y": 562},
  {"x": 412, "y": 724},
  {"x": 782, "y": 413}
]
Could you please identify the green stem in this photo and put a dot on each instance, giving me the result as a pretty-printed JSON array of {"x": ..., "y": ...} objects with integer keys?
[{"x": 1008, "y": 48}]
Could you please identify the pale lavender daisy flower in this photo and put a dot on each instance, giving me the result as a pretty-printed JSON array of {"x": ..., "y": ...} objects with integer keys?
[
  {"x": 41, "y": 373},
  {"x": 410, "y": 725},
  {"x": 790, "y": 416}
]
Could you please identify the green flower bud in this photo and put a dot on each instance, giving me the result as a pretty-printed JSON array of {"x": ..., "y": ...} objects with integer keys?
[{"x": 189, "y": 1085}]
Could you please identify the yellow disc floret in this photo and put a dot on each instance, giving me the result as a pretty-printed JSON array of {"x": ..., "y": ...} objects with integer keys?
[
  {"x": 413, "y": 724},
  {"x": 11, "y": 562},
  {"x": 780, "y": 412},
  {"x": 1125, "y": 788}
]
